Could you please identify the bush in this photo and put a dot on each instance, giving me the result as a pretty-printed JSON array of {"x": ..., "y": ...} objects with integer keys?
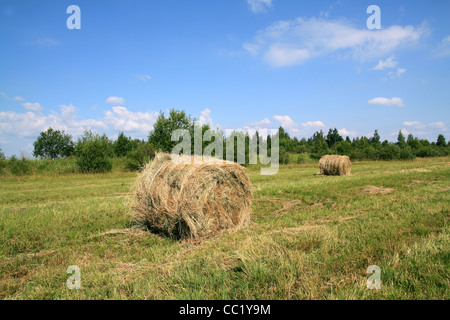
[
  {"x": 136, "y": 159},
  {"x": 356, "y": 154},
  {"x": 427, "y": 151},
  {"x": 93, "y": 153},
  {"x": 302, "y": 158},
  {"x": 57, "y": 166},
  {"x": 390, "y": 152},
  {"x": 20, "y": 167},
  {"x": 284, "y": 156},
  {"x": 407, "y": 154},
  {"x": 122, "y": 145},
  {"x": 3, "y": 164},
  {"x": 344, "y": 148},
  {"x": 370, "y": 153}
]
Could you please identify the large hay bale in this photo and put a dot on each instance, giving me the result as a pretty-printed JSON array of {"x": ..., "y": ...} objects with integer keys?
[
  {"x": 192, "y": 200},
  {"x": 332, "y": 165}
]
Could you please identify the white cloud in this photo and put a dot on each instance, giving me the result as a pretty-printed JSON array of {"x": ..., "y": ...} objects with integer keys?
[
  {"x": 27, "y": 124},
  {"x": 263, "y": 123},
  {"x": 121, "y": 119},
  {"x": 205, "y": 118},
  {"x": 392, "y": 102},
  {"x": 345, "y": 132},
  {"x": 389, "y": 63},
  {"x": 292, "y": 42},
  {"x": 143, "y": 77},
  {"x": 31, "y": 123},
  {"x": 259, "y": 6},
  {"x": 279, "y": 56},
  {"x": 437, "y": 125},
  {"x": 417, "y": 125},
  {"x": 413, "y": 124},
  {"x": 32, "y": 106},
  {"x": 405, "y": 132},
  {"x": 258, "y": 125},
  {"x": 115, "y": 100},
  {"x": 396, "y": 74},
  {"x": 313, "y": 124},
  {"x": 286, "y": 122},
  {"x": 443, "y": 48},
  {"x": 18, "y": 99}
]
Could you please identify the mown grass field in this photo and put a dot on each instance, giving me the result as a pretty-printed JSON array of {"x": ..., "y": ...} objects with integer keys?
[{"x": 311, "y": 237}]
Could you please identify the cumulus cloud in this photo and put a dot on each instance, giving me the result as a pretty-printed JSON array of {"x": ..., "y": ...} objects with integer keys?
[
  {"x": 115, "y": 100},
  {"x": 287, "y": 43},
  {"x": 205, "y": 118},
  {"x": 286, "y": 122},
  {"x": 392, "y": 102},
  {"x": 258, "y": 125},
  {"x": 345, "y": 132},
  {"x": 421, "y": 126},
  {"x": 17, "y": 98},
  {"x": 390, "y": 63},
  {"x": 31, "y": 123},
  {"x": 263, "y": 123},
  {"x": 259, "y": 6},
  {"x": 437, "y": 125},
  {"x": 27, "y": 124},
  {"x": 412, "y": 124},
  {"x": 313, "y": 124},
  {"x": 121, "y": 119},
  {"x": 32, "y": 106}
]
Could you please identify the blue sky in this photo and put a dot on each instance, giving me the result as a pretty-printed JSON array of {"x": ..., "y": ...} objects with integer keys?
[{"x": 235, "y": 64}]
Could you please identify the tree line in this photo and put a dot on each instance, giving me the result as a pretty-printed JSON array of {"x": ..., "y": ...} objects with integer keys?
[{"x": 94, "y": 152}]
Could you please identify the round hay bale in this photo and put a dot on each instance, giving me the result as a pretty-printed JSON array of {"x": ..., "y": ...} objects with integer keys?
[
  {"x": 191, "y": 201},
  {"x": 333, "y": 165}
]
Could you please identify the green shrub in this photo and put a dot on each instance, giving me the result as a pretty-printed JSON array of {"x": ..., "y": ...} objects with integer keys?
[
  {"x": 304, "y": 158},
  {"x": 370, "y": 153},
  {"x": 390, "y": 152},
  {"x": 284, "y": 156},
  {"x": 344, "y": 148},
  {"x": 94, "y": 152},
  {"x": 20, "y": 167},
  {"x": 428, "y": 151},
  {"x": 356, "y": 154},
  {"x": 3, "y": 164},
  {"x": 136, "y": 159},
  {"x": 407, "y": 154},
  {"x": 57, "y": 166}
]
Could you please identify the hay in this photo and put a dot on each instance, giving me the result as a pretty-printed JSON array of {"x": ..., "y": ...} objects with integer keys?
[
  {"x": 376, "y": 190},
  {"x": 191, "y": 201},
  {"x": 333, "y": 165}
]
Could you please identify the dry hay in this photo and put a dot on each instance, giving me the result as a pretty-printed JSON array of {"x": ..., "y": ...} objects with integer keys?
[
  {"x": 186, "y": 200},
  {"x": 333, "y": 165},
  {"x": 376, "y": 190}
]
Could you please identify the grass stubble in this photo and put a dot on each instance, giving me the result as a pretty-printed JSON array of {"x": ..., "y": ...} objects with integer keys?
[{"x": 311, "y": 237}]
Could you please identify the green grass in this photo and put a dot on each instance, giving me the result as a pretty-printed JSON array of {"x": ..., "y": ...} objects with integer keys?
[{"x": 311, "y": 237}]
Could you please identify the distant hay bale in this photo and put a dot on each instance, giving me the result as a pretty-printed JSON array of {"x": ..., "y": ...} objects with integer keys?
[
  {"x": 333, "y": 165},
  {"x": 191, "y": 201}
]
